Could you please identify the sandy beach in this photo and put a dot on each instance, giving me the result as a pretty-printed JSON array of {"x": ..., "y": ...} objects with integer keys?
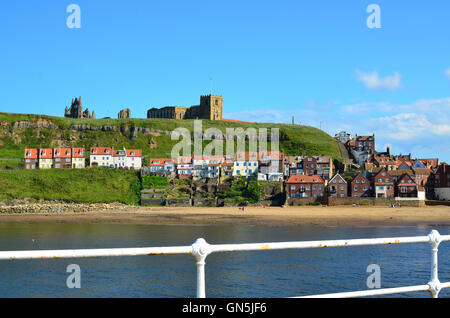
[{"x": 277, "y": 216}]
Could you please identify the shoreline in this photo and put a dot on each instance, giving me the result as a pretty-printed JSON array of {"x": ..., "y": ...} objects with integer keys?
[{"x": 269, "y": 216}]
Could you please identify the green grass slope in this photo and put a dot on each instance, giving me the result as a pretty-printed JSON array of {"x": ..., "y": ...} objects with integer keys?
[
  {"x": 93, "y": 185},
  {"x": 295, "y": 139}
]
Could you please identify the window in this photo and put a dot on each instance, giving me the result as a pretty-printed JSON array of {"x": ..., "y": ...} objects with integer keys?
[
  {"x": 355, "y": 188},
  {"x": 293, "y": 187},
  {"x": 357, "y": 181}
]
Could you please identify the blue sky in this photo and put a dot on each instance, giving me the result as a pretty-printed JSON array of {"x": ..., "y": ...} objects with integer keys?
[{"x": 316, "y": 60}]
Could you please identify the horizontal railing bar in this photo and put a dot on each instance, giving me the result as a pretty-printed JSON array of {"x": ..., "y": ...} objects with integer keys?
[
  {"x": 15, "y": 255},
  {"x": 82, "y": 253},
  {"x": 372, "y": 292},
  {"x": 317, "y": 244}
]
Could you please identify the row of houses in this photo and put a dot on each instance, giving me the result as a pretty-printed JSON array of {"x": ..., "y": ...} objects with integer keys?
[
  {"x": 265, "y": 165},
  {"x": 75, "y": 158},
  {"x": 59, "y": 158},
  {"x": 381, "y": 184}
]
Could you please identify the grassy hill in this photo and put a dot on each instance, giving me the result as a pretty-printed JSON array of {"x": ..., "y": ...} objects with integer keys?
[
  {"x": 18, "y": 131},
  {"x": 93, "y": 185}
]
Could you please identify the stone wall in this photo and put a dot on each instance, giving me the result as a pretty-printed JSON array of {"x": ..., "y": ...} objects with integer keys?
[{"x": 373, "y": 202}]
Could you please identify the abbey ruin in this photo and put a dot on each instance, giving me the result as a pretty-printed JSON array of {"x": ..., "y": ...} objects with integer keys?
[{"x": 76, "y": 110}]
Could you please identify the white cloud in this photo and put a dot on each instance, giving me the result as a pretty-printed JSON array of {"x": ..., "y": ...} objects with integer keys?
[
  {"x": 447, "y": 72},
  {"x": 374, "y": 81},
  {"x": 421, "y": 127}
]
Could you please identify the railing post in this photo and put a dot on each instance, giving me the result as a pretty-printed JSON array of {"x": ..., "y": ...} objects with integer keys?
[
  {"x": 201, "y": 249},
  {"x": 435, "y": 284}
]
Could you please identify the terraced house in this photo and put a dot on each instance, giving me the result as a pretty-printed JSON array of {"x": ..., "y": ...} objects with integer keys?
[
  {"x": 337, "y": 187},
  {"x": 127, "y": 159},
  {"x": 303, "y": 186},
  {"x": 78, "y": 160},
  {"x": 162, "y": 164},
  {"x": 45, "y": 158},
  {"x": 245, "y": 164},
  {"x": 101, "y": 157},
  {"x": 62, "y": 158},
  {"x": 360, "y": 186},
  {"x": 383, "y": 184},
  {"x": 31, "y": 159}
]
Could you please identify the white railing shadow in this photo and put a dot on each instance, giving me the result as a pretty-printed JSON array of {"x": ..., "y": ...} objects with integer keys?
[{"x": 201, "y": 249}]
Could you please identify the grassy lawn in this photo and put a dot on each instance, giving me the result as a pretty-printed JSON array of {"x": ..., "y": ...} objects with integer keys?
[{"x": 93, "y": 185}]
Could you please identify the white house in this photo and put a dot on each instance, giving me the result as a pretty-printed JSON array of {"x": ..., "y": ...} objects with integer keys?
[
  {"x": 245, "y": 164},
  {"x": 101, "y": 157}
]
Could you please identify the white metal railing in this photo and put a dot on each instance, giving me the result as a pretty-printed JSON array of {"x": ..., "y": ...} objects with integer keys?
[{"x": 201, "y": 249}]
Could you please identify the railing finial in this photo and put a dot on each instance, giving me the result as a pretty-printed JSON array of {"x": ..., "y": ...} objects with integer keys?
[{"x": 201, "y": 249}]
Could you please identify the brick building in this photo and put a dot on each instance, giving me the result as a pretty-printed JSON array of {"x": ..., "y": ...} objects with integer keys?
[
  {"x": 303, "y": 186},
  {"x": 31, "y": 159},
  {"x": 383, "y": 184},
  {"x": 337, "y": 187},
  {"x": 360, "y": 186}
]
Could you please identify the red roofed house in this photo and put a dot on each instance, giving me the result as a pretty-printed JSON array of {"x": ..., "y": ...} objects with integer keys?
[
  {"x": 162, "y": 164},
  {"x": 78, "y": 160},
  {"x": 383, "y": 184},
  {"x": 31, "y": 159},
  {"x": 385, "y": 162},
  {"x": 430, "y": 163},
  {"x": 62, "y": 158},
  {"x": 45, "y": 158},
  {"x": 303, "y": 186},
  {"x": 133, "y": 159},
  {"x": 101, "y": 157},
  {"x": 406, "y": 187},
  {"x": 185, "y": 167}
]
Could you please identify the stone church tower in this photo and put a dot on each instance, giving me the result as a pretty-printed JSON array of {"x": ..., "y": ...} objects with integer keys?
[{"x": 211, "y": 107}]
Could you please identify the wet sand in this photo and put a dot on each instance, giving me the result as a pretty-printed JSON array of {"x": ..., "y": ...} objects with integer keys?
[{"x": 277, "y": 216}]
